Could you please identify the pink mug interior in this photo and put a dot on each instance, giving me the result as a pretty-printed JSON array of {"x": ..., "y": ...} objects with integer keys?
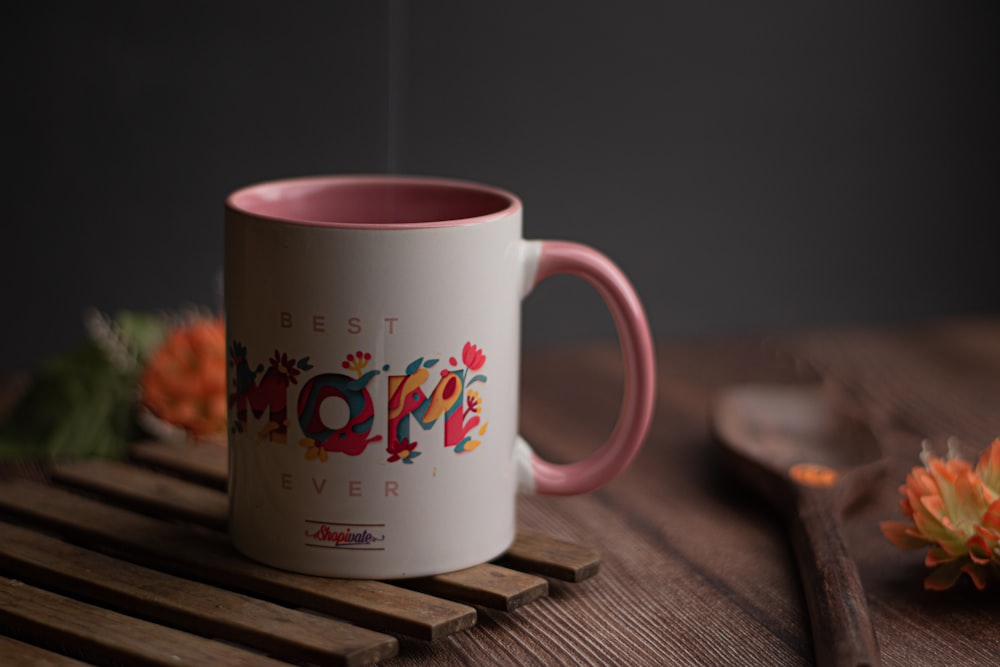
[{"x": 374, "y": 201}]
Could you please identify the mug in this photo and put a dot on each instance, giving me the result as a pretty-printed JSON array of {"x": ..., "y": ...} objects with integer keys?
[{"x": 373, "y": 334}]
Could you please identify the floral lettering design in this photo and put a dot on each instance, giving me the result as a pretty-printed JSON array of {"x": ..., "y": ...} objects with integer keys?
[{"x": 452, "y": 400}]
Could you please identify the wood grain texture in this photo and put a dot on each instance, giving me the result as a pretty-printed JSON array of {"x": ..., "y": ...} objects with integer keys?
[
  {"x": 189, "y": 605},
  {"x": 20, "y": 654},
  {"x": 108, "y": 636},
  {"x": 485, "y": 585},
  {"x": 801, "y": 448},
  {"x": 205, "y": 464},
  {"x": 210, "y": 557},
  {"x": 932, "y": 381},
  {"x": 147, "y": 491},
  {"x": 695, "y": 570},
  {"x": 677, "y": 507},
  {"x": 558, "y": 559},
  {"x": 841, "y": 624}
]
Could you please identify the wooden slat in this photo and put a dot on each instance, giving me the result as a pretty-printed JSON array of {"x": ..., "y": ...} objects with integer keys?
[
  {"x": 552, "y": 558},
  {"x": 203, "y": 463},
  {"x": 147, "y": 491},
  {"x": 109, "y": 636},
  {"x": 20, "y": 654},
  {"x": 372, "y": 604},
  {"x": 485, "y": 585},
  {"x": 192, "y": 606}
]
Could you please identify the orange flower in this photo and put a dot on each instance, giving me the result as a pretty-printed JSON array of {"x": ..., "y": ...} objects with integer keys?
[
  {"x": 184, "y": 381},
  {"x": 955, "y": 510}
]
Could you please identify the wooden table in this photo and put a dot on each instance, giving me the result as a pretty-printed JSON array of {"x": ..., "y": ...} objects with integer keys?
[{"x": 696, "y": 571}]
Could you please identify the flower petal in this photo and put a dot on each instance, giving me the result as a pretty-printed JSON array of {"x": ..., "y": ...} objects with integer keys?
[
  {"x": 991, "y": 518},
  {"x": 969, "y": 501},
  {"x": 988, "y": 467},
  {"x": 977, "y": 574},
  {"x": 904, "y": 505},
  {"x": 936, "y": 555},
  {"x": 942, "y": 470},
  {"x": 927, "y": 517},
  {"x": 978, "y": 550},
  {"x": 921, "y": 482},
  {"x": 898, "y": 533},
  {"x": 943, "y": 577}
]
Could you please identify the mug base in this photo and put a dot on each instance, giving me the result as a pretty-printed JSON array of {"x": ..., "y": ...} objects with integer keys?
[{"x": 372, "y": 571}]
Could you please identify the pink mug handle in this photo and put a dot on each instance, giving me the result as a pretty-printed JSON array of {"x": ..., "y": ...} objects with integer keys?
[{"x": 562, "y": 257}]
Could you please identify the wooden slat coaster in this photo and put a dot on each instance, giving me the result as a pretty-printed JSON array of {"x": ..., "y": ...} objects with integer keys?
[
  {"x": 147, "y": 491},
  {"x": 19, "y": 654},
  {"x": 206, "y": 556},
  {"x": 427, "y": 608},
  {"x": 531, "y": 552},
  {"x": 485, "y": 585},
  {"x": 551, "y": 558},
  {"x": 163, "y": 496},
  {"x": 191, "y": 606},
  {"x": 107, "y": 636},
  {"x": 205, "y": 463}
]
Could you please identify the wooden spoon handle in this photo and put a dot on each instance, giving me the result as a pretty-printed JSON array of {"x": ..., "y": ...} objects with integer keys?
[{"x": 841, "y": 626}]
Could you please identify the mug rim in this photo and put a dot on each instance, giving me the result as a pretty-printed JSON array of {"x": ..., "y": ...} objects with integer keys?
[{"x": 249, "y": 199}]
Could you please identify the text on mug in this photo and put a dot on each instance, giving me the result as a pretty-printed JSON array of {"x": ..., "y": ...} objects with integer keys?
[
  {"x": 355, "y": 487},
  {"x": 319, "y": 323}
]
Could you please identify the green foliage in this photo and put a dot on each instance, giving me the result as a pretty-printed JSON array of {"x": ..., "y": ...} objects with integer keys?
[{"x": 80, "y": 404}]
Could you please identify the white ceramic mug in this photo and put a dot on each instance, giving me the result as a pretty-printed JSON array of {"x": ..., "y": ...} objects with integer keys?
[{"x": 373, "y": 326}]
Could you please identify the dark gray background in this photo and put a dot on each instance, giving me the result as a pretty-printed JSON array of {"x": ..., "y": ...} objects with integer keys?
[{"x": 753, "y": 166}]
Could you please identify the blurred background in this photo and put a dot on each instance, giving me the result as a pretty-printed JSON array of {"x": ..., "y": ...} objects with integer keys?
[{"x": 754, "y": 167}]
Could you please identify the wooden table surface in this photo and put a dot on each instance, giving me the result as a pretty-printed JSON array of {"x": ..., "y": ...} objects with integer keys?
[{"x": 694, "y": 569}]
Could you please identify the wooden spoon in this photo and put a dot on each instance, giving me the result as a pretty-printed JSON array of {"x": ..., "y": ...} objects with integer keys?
[{"x": 810, "y": 459}]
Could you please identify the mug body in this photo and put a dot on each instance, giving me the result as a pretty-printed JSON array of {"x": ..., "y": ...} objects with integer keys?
[{"x": 373, "y": 329}]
